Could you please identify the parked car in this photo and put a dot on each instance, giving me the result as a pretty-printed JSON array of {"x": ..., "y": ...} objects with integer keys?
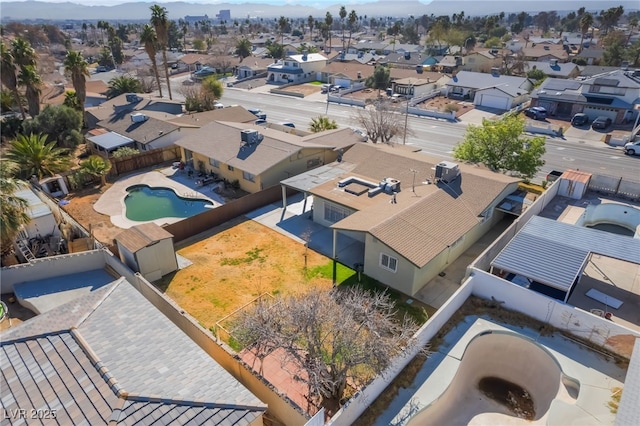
[
  {"x": 632, "y": 148},
  {"x": 363, "y": 135},
  {"x": 102, "y": 68},
  {"x": 580, "y": 119},
  {"x": 218, "y": 105},
  {"x": 537, "y": 113},
  {"x": 261, "y": 122},
  {"x": 258, "y": 113},
  {"x": 288, "y": 124},
  {"x": 204, "y": 72},
  {"x": 325, "y": 88},
  {"x": 601, "y": 122}
]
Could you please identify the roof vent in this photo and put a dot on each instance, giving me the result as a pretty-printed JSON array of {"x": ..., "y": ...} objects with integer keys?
[
  {"x": 251, "y": 137},
  {"x": 138, "y": 118},
  {"x": 447, "y": 172}
]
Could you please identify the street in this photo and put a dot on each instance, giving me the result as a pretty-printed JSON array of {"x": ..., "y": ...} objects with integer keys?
[{"x": 434, "y": 136}]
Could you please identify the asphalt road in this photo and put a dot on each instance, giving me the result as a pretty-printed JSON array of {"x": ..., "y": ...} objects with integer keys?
[{"x": 437, "y": 137}]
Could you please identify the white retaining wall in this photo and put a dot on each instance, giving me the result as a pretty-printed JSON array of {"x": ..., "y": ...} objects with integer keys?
[
  {"x": 565, "y": 317},
  {"x": 362, "y": 399}
]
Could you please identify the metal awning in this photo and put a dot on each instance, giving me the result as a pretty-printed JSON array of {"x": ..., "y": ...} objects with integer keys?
[
  {"x": 555, "y": 253},
  {"x": 110, "y": 141},
  {"x": 304, "y": 182}
]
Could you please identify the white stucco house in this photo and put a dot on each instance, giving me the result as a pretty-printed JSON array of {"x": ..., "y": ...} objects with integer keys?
[
  {"x": 296, "y": 68},
  {"x": 489, "y": 90}
]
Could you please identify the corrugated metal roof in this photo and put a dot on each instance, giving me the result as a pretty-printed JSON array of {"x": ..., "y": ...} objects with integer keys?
[
  {"x": 553, "y": 253},
  {"x": 37, "y": 208},
  {"x": 110, "y": 140}
]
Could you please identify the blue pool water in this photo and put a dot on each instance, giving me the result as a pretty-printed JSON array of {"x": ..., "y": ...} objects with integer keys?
[{"x": 144, "y": 203}]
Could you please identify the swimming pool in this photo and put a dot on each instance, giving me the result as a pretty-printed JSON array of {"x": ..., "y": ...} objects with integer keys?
[{"x": 144, "y": 203}]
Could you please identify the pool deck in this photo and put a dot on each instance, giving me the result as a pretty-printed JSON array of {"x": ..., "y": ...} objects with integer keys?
[
  {"x": 111, "y": 203},
  {"x": 597, "y": 377}
]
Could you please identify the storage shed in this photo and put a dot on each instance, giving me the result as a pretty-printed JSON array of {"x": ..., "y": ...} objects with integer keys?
[{"x": 148, "y": 249}]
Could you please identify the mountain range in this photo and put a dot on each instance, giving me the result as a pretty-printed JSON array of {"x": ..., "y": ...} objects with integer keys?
[{"x": 38, "y": 10}]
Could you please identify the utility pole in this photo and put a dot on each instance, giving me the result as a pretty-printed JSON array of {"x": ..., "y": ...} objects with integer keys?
[{"x": 406, "y": 114}]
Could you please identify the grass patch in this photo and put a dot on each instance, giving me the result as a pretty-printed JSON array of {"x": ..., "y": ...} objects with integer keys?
[
  {"x": 253, "y": 254},
  {"x": 343, "y": 273},
  {"x": 317, "y": 83}
]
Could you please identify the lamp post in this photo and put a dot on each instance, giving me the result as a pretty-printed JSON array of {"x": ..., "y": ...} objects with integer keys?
[{"x": 413, "y": 185}]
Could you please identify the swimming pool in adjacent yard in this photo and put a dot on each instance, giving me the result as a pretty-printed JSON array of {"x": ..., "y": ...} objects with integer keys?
[{"x": 144, "y": 203}]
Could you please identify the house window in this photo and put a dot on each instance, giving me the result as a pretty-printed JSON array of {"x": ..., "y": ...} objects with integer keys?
[
  {"x": 214, "y": 163},
  {"x": 248, "y": 176},
  {"x": 230, "y": 168},
  {"x": 333, "y": 213},
  {"x": 388, "y": 262}
]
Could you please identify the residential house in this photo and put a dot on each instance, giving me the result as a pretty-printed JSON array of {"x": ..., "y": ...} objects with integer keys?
[
  {"x": 95, "y": 94},
  {"x": 408, "y": 216},
  {"x": 412, "y": 60},
  {"x": 591, "y": 70},
  {"x": 412, "y": 87},
  {"x": 259, "y": 157},
  {"x": 545, "y": 52},
  {"x": 489, "y": 90},
  {"x": 345, "y": 74},
  {"x": 196, "y": 120},
  {"x": 449, "y": 64},
  {"x": 296, "y": 68},
  {"x": 613, "y": 94},
  {"x": 195, "y": 61},
  {"x": 591, "y": 55},
  {"x": 359, "y": 56},
  {"x": 481, "y": 61},
  {"x": 107, "y": 354},
  {"x": 253, "y": 66},
  {"x": 554, "y": 69},
  {"x": 115, "y": 108},
  {"x": 146, "y": 132}
]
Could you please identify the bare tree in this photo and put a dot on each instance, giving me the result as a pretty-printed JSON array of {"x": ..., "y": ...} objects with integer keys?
[
  {"x": 381, "y": 122},
  {"x": 328, "y": 338}
]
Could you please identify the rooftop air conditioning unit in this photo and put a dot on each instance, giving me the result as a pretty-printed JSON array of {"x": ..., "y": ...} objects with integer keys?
[
  {"x": 250, "y": 137},
  {"x": 138, "y": 118},
  {"x": 447, "y": 172}
]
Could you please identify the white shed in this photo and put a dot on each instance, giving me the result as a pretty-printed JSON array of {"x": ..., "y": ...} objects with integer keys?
[
  {"x": 148, "y": 249},
  {"x": 42, "y": 221}
]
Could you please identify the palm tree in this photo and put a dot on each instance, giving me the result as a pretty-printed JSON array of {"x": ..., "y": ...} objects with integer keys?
[
  {"x": 351, "y": 21},
  {"x": 34, "y": 156},
  {"x": 123, "y": 84},
  {"x": 586, "y": 21},
  {"x": 13, "y": 214},
  {"x": 328, "y": 20},
  {"x": 75, "y": 64},
  {"x": 9, "y": 77},
  {"x": 32, "y": 82},
  {"x": 310, "y": 22},
  {"x": 96, "y": 166},
  {"x": 71, "y": 100},
  {"x": 322, "y": 123},
  {"x": 150, "y": 40},
  {"x": 243, "y": 48},
  {"x": 282, "y": 24},
  {"x": 160, "y": 23},
  {"x": 343, "y": 14}
]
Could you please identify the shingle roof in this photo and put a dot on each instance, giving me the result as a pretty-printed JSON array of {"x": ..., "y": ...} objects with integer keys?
[
  {"x": 478, "y": 80},
  {"x": 142, "y": 132},
  {"x": 415, "y": 226},
  {"x": 221, "y": 141},
  {"x": 141, "y": 236},
  {"x": 199, "y": 119},
  {"x": 111, "y": 355}
]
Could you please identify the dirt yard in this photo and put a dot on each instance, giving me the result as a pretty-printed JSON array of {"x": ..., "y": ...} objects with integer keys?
[
  {"x": 305, "y": 89},
  {"x": 80, "y": 207},
  {"x": 440, "y": 102},
  {"x": 236, "y": 263}
]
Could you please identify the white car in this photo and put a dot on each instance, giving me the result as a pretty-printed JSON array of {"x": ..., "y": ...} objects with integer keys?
[
  {"x": 218, "y": 105},
  {"x": 632, "y": 148}
]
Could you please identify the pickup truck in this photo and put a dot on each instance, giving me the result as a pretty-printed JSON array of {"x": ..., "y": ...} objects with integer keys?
[{"x": 553, "y": 175}]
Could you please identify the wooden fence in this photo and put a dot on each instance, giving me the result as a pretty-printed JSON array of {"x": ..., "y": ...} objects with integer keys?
[
  {"x": 144, "y": 159},
  {"x": 211, "y": 218}
]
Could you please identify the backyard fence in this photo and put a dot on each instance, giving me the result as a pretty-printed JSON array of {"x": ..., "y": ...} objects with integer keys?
[
  {"x": 211, "y": 218},
  {"x": 144, "y": 159}
]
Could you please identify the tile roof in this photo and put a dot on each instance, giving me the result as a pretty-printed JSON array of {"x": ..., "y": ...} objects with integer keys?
[
  {"x": 112, "y": 356},
  {"x": 415, "y": 225},
  {"x": 143, "y": 235}
]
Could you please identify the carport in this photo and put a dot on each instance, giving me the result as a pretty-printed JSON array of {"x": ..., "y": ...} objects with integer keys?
[{"x": 552, "y": 255}]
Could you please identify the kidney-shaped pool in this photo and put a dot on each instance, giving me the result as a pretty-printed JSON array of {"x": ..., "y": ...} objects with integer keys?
[{"x": 144, "y": 203}]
